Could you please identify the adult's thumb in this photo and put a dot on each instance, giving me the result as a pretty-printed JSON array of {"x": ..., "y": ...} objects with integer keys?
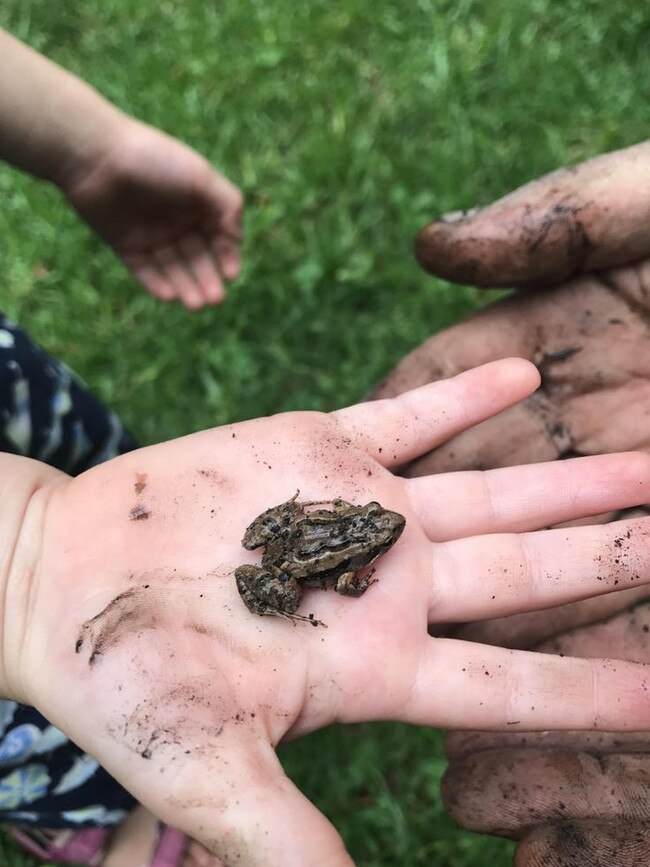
[{"x": 588, "y": 217}]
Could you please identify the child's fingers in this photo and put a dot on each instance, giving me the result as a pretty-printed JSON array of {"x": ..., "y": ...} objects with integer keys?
[
  {"x": 145, "y": 270},
  {"x": 172, "y": 266},
  {"x": 200, "y": 260},
  {"x": 516, "y": 499},
  {"x": 399, "y": 429},
  {"x": 625, "y": 636},
  {"x": 227, "y": 253},
  {"x": 475, "y": 686},
  {"x": 495, "y": 575}
]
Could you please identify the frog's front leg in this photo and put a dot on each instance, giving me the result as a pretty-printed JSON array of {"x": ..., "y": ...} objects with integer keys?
[
  {"x": 354, "y": 583},
  {"x": 270, "y": 592}
]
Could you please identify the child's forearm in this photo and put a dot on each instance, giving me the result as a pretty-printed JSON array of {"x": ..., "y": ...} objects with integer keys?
[
  {"x": 52, "y": 124},
  {"x": 25, "y": 489}
]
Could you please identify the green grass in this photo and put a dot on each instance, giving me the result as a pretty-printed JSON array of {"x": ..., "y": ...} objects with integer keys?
[{"x": 348, "y": 125}]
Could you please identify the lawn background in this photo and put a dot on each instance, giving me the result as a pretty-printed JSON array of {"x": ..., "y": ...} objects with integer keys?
[{"x": 348, "y": 125}]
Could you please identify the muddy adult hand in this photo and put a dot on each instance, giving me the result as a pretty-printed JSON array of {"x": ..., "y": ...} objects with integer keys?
[
  {"x": 576, "y": 220},
  {"x": 588, "y": 229},
  {"x": 127, "y": 630},
  {"x": 172, "y": 219},
  {"x": 570, "y": 798},
  {"x": 587, "y": 226}
]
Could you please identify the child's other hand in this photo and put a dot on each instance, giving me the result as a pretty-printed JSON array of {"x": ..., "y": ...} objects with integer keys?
[{"x": 172, "y": 219}]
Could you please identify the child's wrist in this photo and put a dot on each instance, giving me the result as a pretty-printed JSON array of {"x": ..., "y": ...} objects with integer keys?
[{"x": 89, "y": 145}]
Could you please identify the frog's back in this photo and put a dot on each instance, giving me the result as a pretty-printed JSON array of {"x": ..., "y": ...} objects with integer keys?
[
  {"x": 324, "y": 545},
  {"x": 275, "y": 523}
]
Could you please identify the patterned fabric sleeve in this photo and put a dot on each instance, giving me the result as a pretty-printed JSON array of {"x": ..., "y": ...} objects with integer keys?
[{"x": 47, "y": 413}]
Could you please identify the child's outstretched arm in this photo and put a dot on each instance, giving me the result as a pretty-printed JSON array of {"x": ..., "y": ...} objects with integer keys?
[{"x": 173, "y": 220}]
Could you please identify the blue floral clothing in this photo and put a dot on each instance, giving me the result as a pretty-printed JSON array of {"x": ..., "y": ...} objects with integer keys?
[{"x": 47, "y": 413}]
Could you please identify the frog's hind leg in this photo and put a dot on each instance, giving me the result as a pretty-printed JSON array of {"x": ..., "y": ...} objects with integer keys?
[
  {"x": 268, "y": 592},
  {"x": 295, "y": 617},
  {"x": 355, "y": 584},
  {"x": 264, "y": 592}
]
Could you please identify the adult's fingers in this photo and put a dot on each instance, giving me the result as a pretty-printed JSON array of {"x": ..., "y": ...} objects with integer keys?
[
  {"x": 397, "y": 430},
  {"x": 587, "y": 843},
  {"x": 461, "y": 744},
  {"x": 587, "y": 217},
  {"x": 516, "y": 499},
  {"x": 509, "y": 791},
  {"x": 525, "y": 630},
  {"x": 567, "y": 332}
]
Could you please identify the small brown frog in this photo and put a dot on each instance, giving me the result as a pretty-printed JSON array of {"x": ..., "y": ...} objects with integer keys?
[{"x": 321, "y": 548}]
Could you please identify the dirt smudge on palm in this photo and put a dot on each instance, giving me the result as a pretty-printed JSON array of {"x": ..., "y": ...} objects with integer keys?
[
  {"x": 140, "y": 483},
  {"x": 129, "y": 612}
]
